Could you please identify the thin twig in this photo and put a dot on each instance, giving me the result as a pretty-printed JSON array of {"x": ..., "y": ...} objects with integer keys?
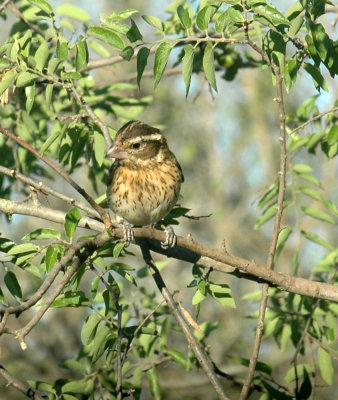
[
  {"x": 46, "y": 189},
  {"x": 92, "y": 115},
  {"x": 65, "y": 176},
  {"x": 333, "y": 109},
  {"x": 19, "y": 14},
  {"x": 277, "y": 220},
  {"x": 200, "y": 354},
  {"x": 19, "y": 385},
  {"x": 4, "y": 5}
]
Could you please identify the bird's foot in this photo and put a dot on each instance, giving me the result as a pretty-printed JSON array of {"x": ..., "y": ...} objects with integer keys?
[
  {"x": 128, "y": 234},
  {"x": 170, "y": 239}
]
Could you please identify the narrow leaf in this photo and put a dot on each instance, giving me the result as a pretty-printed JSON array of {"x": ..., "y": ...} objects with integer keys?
[
  {"x": 154, "y": 21},
  {"x": 43, "y": 5},
  {"x": 6, "y": 81},
  {"x": 13, "y": 285},
  {"x": 317, "y": 239},
  {"x": 106, "y": 35},
  {"x": 42, "y": 233},
  {"x": 187, "y": 64},
  {"x": 73, "y": 217},
  {"x": 41, "y": 56},
  {"x": 184, "y": 17},
  {"x": 142, "y": 59},
  {"x": 209, "y": 65},
  {"x": 71, "y": 11},
  {"x": 318, "y": 214},
  {"x": 282, "y": 238},
  {"x": 25, "y": 78},
  {"x": 154, "y": 384},
  {"x": 325, "y": 366},
  {"x": 161, "y": 58},
  {"x": 81, "y": 54},
  {"x": 134, "y": 34},
  {"x": 317, "y": 77}
]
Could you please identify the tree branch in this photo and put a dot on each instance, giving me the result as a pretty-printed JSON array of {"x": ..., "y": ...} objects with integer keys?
[
  {"x": 200, "y": 354},
  {"x": 20, "y": 386},
  {"x": 189, "y": 250}
]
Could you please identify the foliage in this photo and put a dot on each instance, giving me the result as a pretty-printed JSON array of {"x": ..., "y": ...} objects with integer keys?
[{"x": 124, "y": 339}]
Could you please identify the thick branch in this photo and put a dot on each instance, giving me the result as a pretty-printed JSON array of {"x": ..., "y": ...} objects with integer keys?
[{"x": 192, "y": 251}]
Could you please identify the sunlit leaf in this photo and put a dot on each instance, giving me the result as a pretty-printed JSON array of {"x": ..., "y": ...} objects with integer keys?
[{"x": 161, "y": 58}]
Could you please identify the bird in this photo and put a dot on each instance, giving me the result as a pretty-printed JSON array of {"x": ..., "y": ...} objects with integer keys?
[{"x": 144, "y": 180}]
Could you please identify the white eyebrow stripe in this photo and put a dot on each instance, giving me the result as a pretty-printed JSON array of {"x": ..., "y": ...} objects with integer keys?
[{"x": 147, "y": 138}]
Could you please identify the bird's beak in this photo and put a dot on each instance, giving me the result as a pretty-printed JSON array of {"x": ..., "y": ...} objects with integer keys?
[{"x": 117, "y": 151}]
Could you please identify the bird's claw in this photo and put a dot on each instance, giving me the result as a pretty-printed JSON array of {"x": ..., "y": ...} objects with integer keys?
[
  {"x": 128, "y": 234},
  {"x": 170, "y": 239}
]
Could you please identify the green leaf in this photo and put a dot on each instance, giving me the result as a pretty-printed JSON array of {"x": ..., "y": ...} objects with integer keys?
[
  {"x": 178, "y": 357},
  {"x": 198, "y": 297},
  {"x": 30, "y": 96},
  {"x": 332, "y": 136},
  {"x": 70, "y": 75},
  {"x": 317, "y": 77},
  {"x": 41, "y": 56},
  {"x": 314, "y": 140},
  {"x": 302, "y": 168},
  {"x": 142, "y": 59},
  {"x": 23, "y": 248},
  {"x": 187, "y": 65},
  {"x": 54, "y": 63},
  {"x": 61, "y": 51},
  {"x": 3, "y": 299},
  {"x": 184, "y": 17},
  {"x": 154, "y": 21},
  {"x": 81, "y": 59},
  {"x": 269, "y": 195},
  {"x": 291, "y": 374},
  {"x": 320, "y": 40},
  {"x": 312, "y": 193},
  {"x": 13, "y": 285},
  {"x": 209, "y": 65},
  {"x": 72, "y": 219},
  {"x": 270, "y": 13},
  {"x": 99, "y": 147},
  {"x": 154, "y": 384},
  {"x": 98, "y": 345},
  {"x": 318, "y": 214},
  {"x": 42, "y": 233},
  {"x": 325, "y": 366},
  {"x": 234, "y": 15},
  {"x": 106, "y": 35},
  {"x": 204, "y": 16},
  {"x": 161, "y": 58},
  {"x": 134, "y": 34},
  {"x": 25, "y": 78},
  {"x": 127, "y": 53},
  {"x": 49, "y": 94},
  {"x": 51, "y": 257},
  {"x": 43, "y": 5},
  {"x": 71, "y": 11},
  {"x": 268, "y": 214},
  {"x": 282, "y": 238},
  {"x": 89, "y": 328},
  {"x": 84, "y": 386},
  {"x": 295, "y": 25},
  {"x": 74, "y": 366},
  {"x": 6, "y": 81},
  {"x": 317, "y": 239}
]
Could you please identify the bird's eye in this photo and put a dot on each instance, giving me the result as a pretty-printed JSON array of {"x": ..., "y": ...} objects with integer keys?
[{"x": 136, "y": 146}]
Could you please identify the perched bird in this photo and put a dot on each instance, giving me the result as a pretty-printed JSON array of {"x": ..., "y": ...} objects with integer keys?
[{"x": 145, "y": 179}]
